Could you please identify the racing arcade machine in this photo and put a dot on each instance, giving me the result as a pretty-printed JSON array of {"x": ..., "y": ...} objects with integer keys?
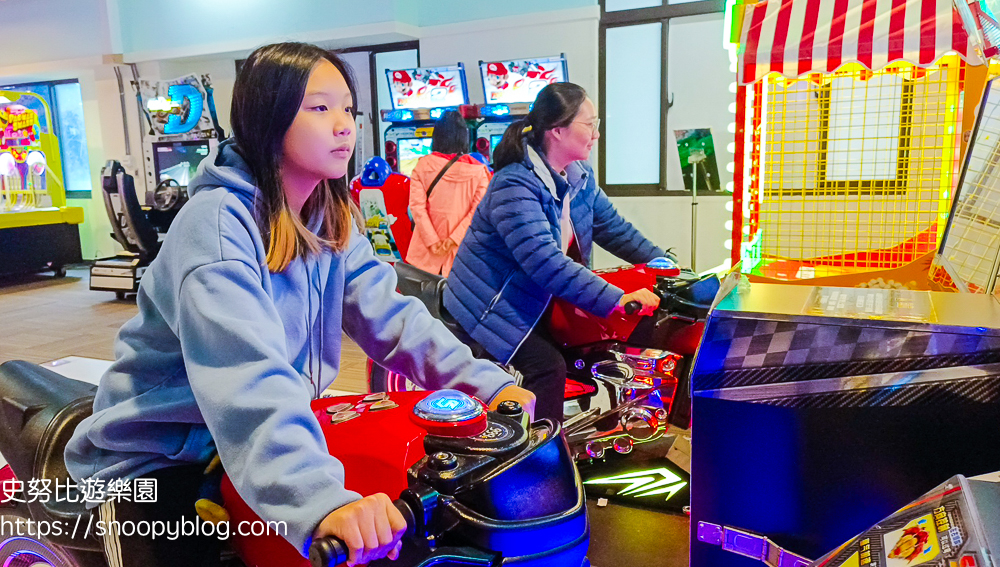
[
  {"x": 419, "y": 98},
  {"x": 510, "y": 88},
  {"x": 183, "y": 129}
]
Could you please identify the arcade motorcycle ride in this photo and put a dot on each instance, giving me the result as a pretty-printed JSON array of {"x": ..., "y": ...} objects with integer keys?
[
  {"x": 627, "y": 373},
  {"x": 476, "y": 487}
]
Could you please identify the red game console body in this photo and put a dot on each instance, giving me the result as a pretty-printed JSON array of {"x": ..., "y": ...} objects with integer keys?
[{"x": 369, "y": 467}]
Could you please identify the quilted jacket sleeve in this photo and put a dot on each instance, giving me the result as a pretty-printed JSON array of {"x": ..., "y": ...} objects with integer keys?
[{"x": 516, "y": 212}]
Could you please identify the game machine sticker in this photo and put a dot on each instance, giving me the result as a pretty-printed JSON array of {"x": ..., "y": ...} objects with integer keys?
[
  {"x": 377, "y": 224},
  {"x": 868, "y": 303},
  {"x": 382, "y": 195},
  {"x": 952, "y": 526},
  {"x": 510, "y": 88}
]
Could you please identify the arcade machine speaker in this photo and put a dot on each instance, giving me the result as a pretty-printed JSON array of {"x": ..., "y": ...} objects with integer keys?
[{"x": 819, "y": 411}]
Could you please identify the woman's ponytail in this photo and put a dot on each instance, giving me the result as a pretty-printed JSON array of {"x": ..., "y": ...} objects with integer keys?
[{"x": 511, "y": 147}]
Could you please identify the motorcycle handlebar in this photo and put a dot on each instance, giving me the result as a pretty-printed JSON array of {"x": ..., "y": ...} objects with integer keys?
[
  {"x": 632, "y": 307},
  {"x": 331, "y": 551}
]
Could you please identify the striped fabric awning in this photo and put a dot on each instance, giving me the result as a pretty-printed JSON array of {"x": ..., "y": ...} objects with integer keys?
[{"x": 797, "y": 37}]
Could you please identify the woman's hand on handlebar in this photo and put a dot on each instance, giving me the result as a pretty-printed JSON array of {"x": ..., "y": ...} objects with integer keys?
[
  {"x": 371, "y": 528},
  {"x": 517, "y": 394},
  {"x": 649, "y": 301}
]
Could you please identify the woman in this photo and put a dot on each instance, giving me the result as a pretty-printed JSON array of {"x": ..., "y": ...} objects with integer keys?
[
  {"x": 442, "y": 210},
  {"x": 239, "y": 328},
  {"x": 531, "y": 238}
]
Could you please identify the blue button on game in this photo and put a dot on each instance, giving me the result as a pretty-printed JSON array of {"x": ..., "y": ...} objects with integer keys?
[{"x": 449, "y": 406}]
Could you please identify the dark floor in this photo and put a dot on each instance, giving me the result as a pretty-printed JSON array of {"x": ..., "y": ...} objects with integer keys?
[{"x": 621, "y": 536}]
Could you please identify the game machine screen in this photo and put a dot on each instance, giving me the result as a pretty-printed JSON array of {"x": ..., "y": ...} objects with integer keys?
[
  {"x": 179, "y": 160},
  {"x": 510, "y": 88},
  {"x": 410, "y": 151},
  {"x": 419, "y": 97}
]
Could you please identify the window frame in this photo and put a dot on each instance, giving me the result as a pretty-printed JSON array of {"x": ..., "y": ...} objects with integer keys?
[
  {"x": 896, "y": 186},
  {"x": 624, "y": 18}
]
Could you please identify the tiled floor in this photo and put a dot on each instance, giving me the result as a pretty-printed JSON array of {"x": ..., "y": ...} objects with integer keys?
[{"x": 43, "y": 318}]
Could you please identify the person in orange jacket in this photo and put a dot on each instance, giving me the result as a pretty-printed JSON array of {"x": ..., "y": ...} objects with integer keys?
[{"x": 442, "y": 213}]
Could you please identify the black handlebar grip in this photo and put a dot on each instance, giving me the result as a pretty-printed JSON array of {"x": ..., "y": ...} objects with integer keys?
[
  {"x": 332, "y": 551},
  {"x": 632, "y": 307}
]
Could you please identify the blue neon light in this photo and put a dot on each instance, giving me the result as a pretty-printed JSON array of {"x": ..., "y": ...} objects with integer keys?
[
  {"x": 178, "y": 93},
  {"x": 399, "y": 115},
  {"x": 447, "y": 405},
  {"x": 496, "y": 110}
]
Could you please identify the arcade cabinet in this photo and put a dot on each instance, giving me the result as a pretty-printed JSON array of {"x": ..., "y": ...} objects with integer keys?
[
  {"x": 37, "y": 230},
  {"x": 817, "y": 411},
  {"x": 383, "y": 197},
  {"x": 419, "y": 98},
  {"x": 183, "y": 130},
  {"x": 510, "y": 88},
  {"x": 847, "y": 148}
]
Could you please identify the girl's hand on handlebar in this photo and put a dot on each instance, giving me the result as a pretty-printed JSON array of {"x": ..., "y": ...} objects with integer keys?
[
  {"x": 649, "y": 301},
  {"x": 519, "y": 395},
  {"x": 371, "y": 528}
]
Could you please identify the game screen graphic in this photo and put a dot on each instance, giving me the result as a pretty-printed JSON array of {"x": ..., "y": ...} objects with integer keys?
[
  {"x": 494, "y": 142},
  {"x": 935, "y": 531},
  {"x": 179, "y": 160},
  {"x": 428, "y": 87},
  {"x": 411, "y": 150},
  {"x": 520, "y": 80},
  {"x": 914, "y": 544}
]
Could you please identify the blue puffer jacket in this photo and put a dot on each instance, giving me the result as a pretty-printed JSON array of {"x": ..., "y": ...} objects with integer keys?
[{"x": 511, "y": 263}]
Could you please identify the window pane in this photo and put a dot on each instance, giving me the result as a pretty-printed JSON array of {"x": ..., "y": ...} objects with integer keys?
[
  {"x": 72, "y": 137},
  {"x": 619, "y": 5},
  {"x": 864, "y": 128},
  {"x": 633, "y": 107}
]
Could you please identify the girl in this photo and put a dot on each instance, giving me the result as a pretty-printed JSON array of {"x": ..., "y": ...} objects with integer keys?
[
  {"x": 239, "y": 328},
  {"x": 531, "y": 239},
  {"x": 443, "y": 210}
]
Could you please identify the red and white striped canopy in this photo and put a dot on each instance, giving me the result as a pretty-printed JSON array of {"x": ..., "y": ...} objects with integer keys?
[{"x": 797, "y": 37}]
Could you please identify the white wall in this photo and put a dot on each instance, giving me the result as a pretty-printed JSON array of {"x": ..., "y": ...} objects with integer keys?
[
  {"x": 573, "y": 32},
  {"x": 698, "y": 77},
  {"x": 53, "y": 30}
]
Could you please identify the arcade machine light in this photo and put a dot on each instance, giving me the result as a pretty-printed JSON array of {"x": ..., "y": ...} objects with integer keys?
[
  {"x": 510, "y": 88},
  {"x": 845, "y": 160},
  {"x": 419, "y": 97}
]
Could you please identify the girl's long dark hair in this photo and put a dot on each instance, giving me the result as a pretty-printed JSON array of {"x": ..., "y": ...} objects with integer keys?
[
  {"x": 267, "y": 94},
  {"x": 451, "y": 134},
  {"x": 555, "y": 107}
]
